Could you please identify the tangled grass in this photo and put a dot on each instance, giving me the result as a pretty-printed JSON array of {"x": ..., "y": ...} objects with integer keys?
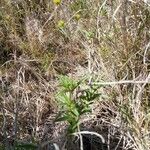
[{"x": 108, "y": 42}]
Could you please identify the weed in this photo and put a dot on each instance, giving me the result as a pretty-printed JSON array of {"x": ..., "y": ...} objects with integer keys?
[{"x": 74, "y": 101}]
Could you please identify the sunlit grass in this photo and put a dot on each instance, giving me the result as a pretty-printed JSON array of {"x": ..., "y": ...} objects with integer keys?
[{"x": 106, "y": 41}]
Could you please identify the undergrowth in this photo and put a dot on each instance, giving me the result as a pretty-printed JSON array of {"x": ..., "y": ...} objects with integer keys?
[{"x": 75, "y": 74}]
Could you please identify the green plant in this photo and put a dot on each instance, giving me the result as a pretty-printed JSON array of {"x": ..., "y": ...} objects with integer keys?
[
  {"x": 25, "y": 146},
  {"x": 61, "y": 24},
  {"x": 57, "y": 2},
  {"x": 74, "y": 101},
  {"x": 77, "y": 16},
  {"x": 2, "y": 146}
]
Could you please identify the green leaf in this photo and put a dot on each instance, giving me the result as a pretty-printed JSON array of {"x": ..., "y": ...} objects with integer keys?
[
  {"x": 63, "y": 98},
  {"x": 25, "y": 146},
  {"x": 73, "y": 127},
  {"x": 75, "y": 112},
  {"x": 94, "y": 96},
  {"x": 61, "y": 118},
  {"x": 86, "y": 110},
  {"x": 67, "y": 83}
]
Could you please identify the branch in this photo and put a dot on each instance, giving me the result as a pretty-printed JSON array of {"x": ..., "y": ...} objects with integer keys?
[
  {"x": 90, "y": 133},
  {"x": 122, "y": 82}
]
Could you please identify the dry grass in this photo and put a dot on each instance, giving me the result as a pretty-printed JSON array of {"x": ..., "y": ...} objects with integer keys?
[{"x": 107, "y": 41}]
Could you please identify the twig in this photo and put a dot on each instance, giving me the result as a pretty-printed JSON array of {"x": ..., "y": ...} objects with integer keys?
[
  {"x": 4, "y": 128},
  {"x": 81, "y": 139},
  {"x": 98, "y": 18},
  {"x": 145, "y": 52},
  {"x": 114, "y": 14},
  {"x": 50, "y": 18},
  {"x": 56, "y": 146},
  {"x": 16, "y": 105},
  {"x": 91, "y": 133},
  {"x": 122, "y": 82}
]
